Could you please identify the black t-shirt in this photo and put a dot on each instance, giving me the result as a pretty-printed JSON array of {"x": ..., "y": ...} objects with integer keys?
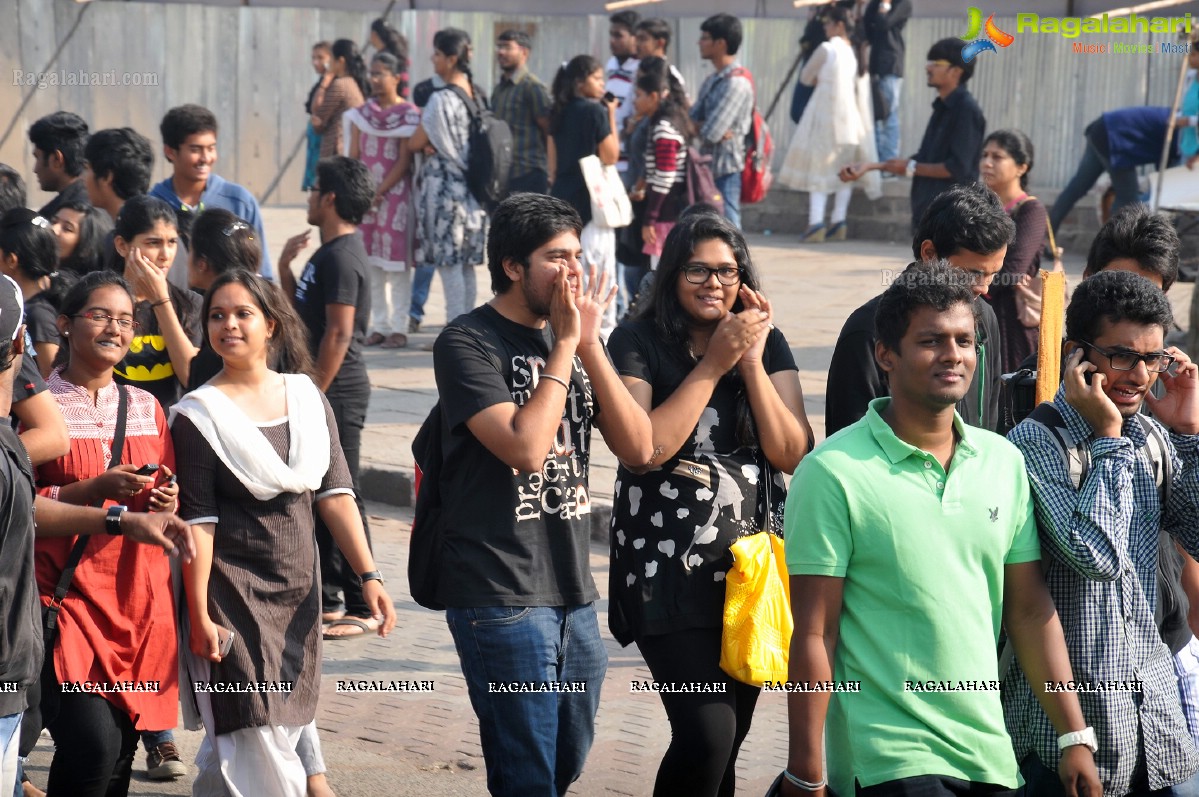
[
  {"x": 337, "y": 274},
  {"x": 511, "y": 539},
  {"x": 148, "y": 363},
  {"x": 20, "y": 607},
  {"x": 672, "y": 526},
  {"x": 582, "y": 126},
  {"x": 41, "y": 317},
  {"x": 205, "y": 365},
  {"x": 74, "y": 192},
  {"x": 954, "y": 137},
  {"x": 27, "y": 382}
]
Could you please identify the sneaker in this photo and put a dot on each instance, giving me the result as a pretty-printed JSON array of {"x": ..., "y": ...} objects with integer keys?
[
  {"x": 413, "y": 326},
  {"x": 164, "y": 763}
]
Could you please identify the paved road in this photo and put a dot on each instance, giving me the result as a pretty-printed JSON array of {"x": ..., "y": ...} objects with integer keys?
[{"x": 427, "y": 743}]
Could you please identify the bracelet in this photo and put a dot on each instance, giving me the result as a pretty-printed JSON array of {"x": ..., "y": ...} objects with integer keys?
[
  {"x": 800, "y": 783},
  {"x": 557, "y": 379},
  {"x": 53, "y": 496},
  {"x": 161, "y": 303}
]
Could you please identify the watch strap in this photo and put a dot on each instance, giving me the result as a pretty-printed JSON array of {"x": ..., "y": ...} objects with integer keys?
[
  {"x": 371, "y": 575},
  {"x": 112, "y": 521}
]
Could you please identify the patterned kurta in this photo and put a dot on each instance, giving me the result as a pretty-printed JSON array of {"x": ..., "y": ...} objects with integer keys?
[
  {"x": 388, "y": 230},
  {"x": 453, "y": 226}
]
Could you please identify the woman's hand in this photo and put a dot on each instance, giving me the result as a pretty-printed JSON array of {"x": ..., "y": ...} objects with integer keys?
[
  {"x": 649, "y": 235},
  {"x": 147, "y": 280},
  {"x": 380, "y": 604},
  {"x": 120, "y": 483},
  {"x": 165, "y": 497},
  {"x": 736, "y": 334},
  {"x": 204, "y": 640},
  {"x": 753, "y": 300}
]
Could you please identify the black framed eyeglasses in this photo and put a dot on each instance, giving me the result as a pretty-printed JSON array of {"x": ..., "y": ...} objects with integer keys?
[
  {"x": 104, "y": 319},
  {"x": 698, "y": 275},
  {"x": 1155, "y": 362}
]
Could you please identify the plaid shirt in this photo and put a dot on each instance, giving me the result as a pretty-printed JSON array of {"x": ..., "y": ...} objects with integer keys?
[
  {"x": 725, "y": 103},
  {"x": 1100, "y": 547},
  {"x": 520, "y": 102}
]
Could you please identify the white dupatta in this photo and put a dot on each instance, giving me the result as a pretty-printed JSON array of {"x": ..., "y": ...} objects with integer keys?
[{"x": 240, "y": 444}]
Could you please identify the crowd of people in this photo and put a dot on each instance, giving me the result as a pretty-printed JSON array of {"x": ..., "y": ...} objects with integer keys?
[{"x": 172, "y": 388}]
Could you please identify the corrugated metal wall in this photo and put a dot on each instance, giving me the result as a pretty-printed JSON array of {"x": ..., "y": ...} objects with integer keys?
[{"x": 250, "y": 66}]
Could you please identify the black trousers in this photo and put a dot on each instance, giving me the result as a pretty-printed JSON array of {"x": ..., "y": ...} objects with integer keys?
[
  {"x": 94, "y": 746},
  {"x": 337, "y": 576},
  {"x": 706, "y": 728}
]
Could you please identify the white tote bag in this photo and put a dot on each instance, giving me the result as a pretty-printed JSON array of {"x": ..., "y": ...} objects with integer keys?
[{"x": 610, "y": 206}]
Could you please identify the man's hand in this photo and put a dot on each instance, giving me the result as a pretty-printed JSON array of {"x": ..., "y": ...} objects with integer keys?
[
  {"x": 1179, "y": 408},
  {"x": 1078, "y": 773},
  {"x": 1089, "y": 399},
  {"x": 592, "y": 302},
  {"x": 565, "y": 321},
  {"x": 168, "y": 532},
  {"x": 897, "y": 166},
  {"x": 293, "y": 247},
  {"x": 380, "y": 604}
]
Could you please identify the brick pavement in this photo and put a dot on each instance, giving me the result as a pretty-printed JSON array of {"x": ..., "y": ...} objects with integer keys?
[{"x": 427, "y": 743}]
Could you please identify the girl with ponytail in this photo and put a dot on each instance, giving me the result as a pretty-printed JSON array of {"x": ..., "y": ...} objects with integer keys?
[
  {"x": 29, "y": 255},
  {"x": 346, "y": 88}
]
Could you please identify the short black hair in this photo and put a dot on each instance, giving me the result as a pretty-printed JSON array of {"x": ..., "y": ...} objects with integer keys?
[
  {"x": 938, "y": 285},
  {"x": 350, "y": 183},
  {"x": 628, "y": 19},
  {"x": 1136, "y": 232},
  {"x": 184, "y": 121},
  {"x": 12, "y": 189},
  {"x": 519, "y": 36},
  {"x": 62, "y": 132},
  {"x": 521, "y": 224},
  {"x": 28, "y": 236},
  {"x": 951, "y": 50},
  {"x": 125, "y": 154},
  {"x": 1115, "y": 296},
  {"x": 726, "y": 27},
  {"x": 657, "y": 28},
  {"x": 968, "y": 216}
]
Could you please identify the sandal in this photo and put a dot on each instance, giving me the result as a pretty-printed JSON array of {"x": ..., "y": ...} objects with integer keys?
[
  {"x": 396, "y": 340},
  {"x": 374, "y": 339},
  {"x": 364, "y": 625}
]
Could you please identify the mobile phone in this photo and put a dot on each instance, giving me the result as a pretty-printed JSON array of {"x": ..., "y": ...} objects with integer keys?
[
  {"x": 172, "y": 480},
  {"x": 148, "y": 469},
  {"x": 225, "y": 638},
  {"x": 609, "y": 97}
]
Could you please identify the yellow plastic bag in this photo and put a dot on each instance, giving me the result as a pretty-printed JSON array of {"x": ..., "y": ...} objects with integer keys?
[{"x": 757, "y": 611}]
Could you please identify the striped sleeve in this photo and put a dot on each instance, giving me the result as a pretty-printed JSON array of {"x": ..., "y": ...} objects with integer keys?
[{"x": 664, "y": 166}]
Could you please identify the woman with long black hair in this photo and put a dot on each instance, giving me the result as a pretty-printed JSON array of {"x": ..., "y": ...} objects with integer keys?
[
  {"x": 723, "y": 396},
  {"x": 347, "y": 89}
]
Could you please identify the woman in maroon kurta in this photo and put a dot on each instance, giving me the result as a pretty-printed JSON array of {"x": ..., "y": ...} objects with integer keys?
[{"x": 116, "y": 653}]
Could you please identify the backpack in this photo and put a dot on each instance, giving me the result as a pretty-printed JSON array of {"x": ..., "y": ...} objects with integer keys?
[
  {"x": 700, "y": 187},
  {"x": 424, "y": 546},
  {"x": 756, "y": 177},
  {"x": 489, "y": 154}
]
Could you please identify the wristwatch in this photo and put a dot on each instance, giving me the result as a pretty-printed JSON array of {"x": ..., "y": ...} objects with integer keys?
[
  {"x": 112, "y": 521},
  {"x": 1084, "y": 737},
  {"x": 910, "y": 171},
  {"x": 371, "y": 575}
]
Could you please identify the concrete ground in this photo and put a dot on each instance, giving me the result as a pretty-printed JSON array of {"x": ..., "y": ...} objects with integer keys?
[{"x": 397, "y": 744}]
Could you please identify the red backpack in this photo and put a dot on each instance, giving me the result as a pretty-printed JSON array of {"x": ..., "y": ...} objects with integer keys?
[{"x": 756, "y": 177}]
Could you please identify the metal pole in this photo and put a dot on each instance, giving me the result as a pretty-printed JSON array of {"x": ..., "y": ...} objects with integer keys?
[{"x": 1161, "y": 171}]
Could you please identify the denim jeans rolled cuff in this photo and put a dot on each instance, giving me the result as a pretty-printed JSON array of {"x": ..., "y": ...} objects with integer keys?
[
  {"x": 151, "y": 739},
  {"x": 534, "y": 675},
  {"x": 729, "y": 186}
]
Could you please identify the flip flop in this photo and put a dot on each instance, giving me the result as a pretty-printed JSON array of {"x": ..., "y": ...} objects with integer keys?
[
  {"x": 374, "y": 339},
  {"x": 364, "y": 624}
]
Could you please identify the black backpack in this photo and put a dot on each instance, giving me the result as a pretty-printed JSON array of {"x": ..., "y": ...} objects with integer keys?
[{"x": 489, "y": 156}]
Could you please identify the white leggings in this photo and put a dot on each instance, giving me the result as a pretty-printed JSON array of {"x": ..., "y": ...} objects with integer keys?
[{"x": 817, "y": 201}]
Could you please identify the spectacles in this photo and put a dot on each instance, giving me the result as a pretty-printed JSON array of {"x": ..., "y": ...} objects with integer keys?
[
  {"x": 698, "y": 275},
  {"x": 1155, "y": 363},
  {"x": 104, "y": 319}
]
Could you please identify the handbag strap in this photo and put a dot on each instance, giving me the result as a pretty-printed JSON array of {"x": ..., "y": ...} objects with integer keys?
[
  {"x": 68, "y": 571},
  {"x": 1048, "y": 226}
]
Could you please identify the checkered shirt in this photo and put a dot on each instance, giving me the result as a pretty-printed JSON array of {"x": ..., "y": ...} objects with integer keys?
[
  {"x": 725, "y": 103},
  {"x": 1100, "y": 547}
]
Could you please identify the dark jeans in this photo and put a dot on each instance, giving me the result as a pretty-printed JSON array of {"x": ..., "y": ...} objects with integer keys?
[
  {"x": 94, "y": 743},
  {"x": 1041, "y": 781},
  {"x": 534, "y": 182},
  {"x": 706, "y": 728},
  {"x": 1095, "y": 161},
  {"x": 349, "y": 409},
  {"x": 932, "y": 786}
]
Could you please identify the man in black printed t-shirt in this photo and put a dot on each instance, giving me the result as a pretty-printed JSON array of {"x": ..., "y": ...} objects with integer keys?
[
  {"x": 521, "y": 381},
  {"x": 333, "y": 299}
]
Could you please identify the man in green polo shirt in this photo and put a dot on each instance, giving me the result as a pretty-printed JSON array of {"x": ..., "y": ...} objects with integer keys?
[{"x": 910, "y": 539}]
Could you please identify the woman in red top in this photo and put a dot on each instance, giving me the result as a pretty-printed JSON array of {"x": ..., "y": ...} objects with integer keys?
[{"x": 116, "y": 653}]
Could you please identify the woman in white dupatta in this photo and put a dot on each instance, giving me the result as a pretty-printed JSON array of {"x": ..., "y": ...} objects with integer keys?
[
  {"x": 262, "y": 453},
  {"x": 377, "y": 134}
]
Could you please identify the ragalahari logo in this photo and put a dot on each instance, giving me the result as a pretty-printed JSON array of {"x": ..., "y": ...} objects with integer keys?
[{"x": 993, "y": 36}]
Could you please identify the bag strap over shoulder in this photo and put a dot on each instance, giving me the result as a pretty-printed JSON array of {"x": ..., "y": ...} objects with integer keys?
[
  {"x": 1077, "y": 458},
  {"x": 472, "y": 105}
]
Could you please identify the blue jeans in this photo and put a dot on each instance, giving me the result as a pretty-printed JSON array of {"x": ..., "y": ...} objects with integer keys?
[
  {"x": 534, "y": 743},
  {"x": 151, "y": 739},
  {"x": 729, "y": 186},
  {"x": 886, "y": 131},
  {"x": 422, "y": 280},
  {"x": 10, "y": 739},
  {"x": 1093, "y": 164}
]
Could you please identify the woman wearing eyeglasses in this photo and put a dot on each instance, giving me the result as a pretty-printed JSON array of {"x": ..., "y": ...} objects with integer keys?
[
  {"x": 722, "y": 392},
  {"x": 117, "y": 622}
]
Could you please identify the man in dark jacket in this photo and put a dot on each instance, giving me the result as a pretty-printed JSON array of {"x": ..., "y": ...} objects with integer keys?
[
  {"x": 884, "y": 22},
  {"x": 967, "y": 226}
]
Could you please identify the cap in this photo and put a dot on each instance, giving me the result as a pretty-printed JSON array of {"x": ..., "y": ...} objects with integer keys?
[{"x": 12, "y": 308}]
